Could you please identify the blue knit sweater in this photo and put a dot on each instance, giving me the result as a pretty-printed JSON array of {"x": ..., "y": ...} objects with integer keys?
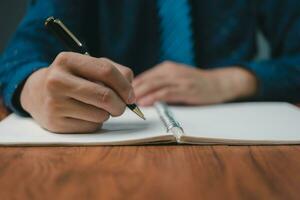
[{"x": 128, "y": 32}]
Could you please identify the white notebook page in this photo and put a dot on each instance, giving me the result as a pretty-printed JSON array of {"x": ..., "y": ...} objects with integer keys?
[
  {"x": 127, "y": 129},
  {"x": 256, "y": 122}
]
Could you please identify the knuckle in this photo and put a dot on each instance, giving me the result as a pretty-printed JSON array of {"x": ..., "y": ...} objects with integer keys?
[
  {"x": 62, "y": 58},
  {"x": 128, "y": 73},
  {"x": 106, "y": 95},
  {"x": 106, "y": 69},
  {"x": 52, "y": 81}
]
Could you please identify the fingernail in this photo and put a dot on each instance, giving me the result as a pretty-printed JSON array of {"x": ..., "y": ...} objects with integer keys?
[{"x": 131, "y": 97}]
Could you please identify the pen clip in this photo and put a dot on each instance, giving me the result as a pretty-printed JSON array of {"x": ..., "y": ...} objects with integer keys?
[{"x": 68, "y": 32}]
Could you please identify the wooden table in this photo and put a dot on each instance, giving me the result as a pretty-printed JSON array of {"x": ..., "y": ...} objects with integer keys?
[{"x": 150, "y": 172}]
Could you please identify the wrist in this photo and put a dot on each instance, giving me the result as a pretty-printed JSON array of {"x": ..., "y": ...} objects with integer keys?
[
  {"x": 30, "y": 90},
  {"x": 235, "y": 83}
]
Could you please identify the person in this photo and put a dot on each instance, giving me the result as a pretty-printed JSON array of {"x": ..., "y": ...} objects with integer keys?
[{"x": 183, "y": 52}]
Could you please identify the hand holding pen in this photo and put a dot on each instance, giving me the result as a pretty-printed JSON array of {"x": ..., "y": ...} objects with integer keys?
[
  {"x": 70, "y": 40},
  {"x": 77, "y": 93}
]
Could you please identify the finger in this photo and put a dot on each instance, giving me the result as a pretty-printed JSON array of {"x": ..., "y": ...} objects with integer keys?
[
  {"x": 94, "y": 94},
  {"x": 97, "y": 70},
  {"x": 167, "y": 94},
  {"x": 82, "y": 111},
  {"x": 125, "y": 71},
  {"x": 70, "y": 125},
  {"x": 160, "y": 71},
  {"x": 152, "y": 74},
  {"x": 147, "y": 87}
]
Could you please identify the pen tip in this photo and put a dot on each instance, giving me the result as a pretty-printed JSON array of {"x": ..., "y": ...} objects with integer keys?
[{"x": 139, "y": 113}]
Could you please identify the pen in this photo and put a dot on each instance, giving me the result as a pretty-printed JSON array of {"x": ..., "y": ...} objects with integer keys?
[{"x": 70, "y": 40}]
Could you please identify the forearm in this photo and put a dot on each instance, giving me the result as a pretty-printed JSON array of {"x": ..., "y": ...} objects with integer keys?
[
  {"x": 278, "y": 79},
  {"x": 269, "y": 80}
]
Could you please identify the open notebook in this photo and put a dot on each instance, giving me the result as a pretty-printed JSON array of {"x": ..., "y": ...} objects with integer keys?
[{"x": 235, "y": 123}]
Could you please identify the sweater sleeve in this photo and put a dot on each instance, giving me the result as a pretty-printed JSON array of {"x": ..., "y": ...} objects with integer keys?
[
  {"x": 279, "y": 77},
  {"x": 33, "y": 47}
]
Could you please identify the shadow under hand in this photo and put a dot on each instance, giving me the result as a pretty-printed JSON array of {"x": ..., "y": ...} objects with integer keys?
[{"x": 126, "y": 127}]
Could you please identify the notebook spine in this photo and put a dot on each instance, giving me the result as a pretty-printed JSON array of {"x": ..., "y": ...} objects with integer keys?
[{"x": 171, "y": 124}]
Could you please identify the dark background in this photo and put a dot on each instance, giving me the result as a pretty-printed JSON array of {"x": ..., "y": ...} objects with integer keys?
[{"x": 12, "y": 11}]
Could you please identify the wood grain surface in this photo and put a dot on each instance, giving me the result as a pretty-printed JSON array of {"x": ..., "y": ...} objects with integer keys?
[{"x": 150, "y": 172}]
